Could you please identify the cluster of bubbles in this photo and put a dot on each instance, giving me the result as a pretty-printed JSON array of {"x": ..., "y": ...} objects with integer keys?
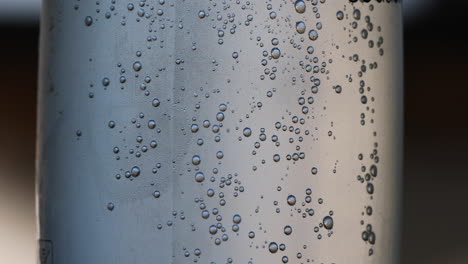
[
  {"x": 285, "y": 139},
  {"x": 367, "y": 179}
]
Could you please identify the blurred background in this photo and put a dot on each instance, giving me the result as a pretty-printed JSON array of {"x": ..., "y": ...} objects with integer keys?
[{"x": 436, "y": 131}]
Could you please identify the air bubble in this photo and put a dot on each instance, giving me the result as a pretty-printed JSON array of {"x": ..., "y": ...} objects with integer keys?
[
  {"x": 291, "y": 200},
  {"x": 199, "y": 177},
  {"x": 88, "y": 21},
  {"x": 201, "y": 14},
  {"x": 236, "y": 219},
  {"x": 340, "y": 15},
  {"x": 137, "y": 66},
  {"x": 135, "y": 172},
  {"x": 300, "y": 27},
  {"x": 300, "y": 6},
  {"x": 275, "y": 53},
  {"x": 196, "y": 160},
  {"x": 313, "y": 34},
  {"x": 328, "y": 222},
  {"x": 247, "y": 132},
  {"x": 273, "y": 247}
]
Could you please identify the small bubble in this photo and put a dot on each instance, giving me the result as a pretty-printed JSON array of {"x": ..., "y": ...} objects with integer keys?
[
  {"x": 151, "y": 124},
  {"x": 328, "y": 222},
  {"x": 156, "y": 102},
  {"x": 247, "y": 132},
  {"x": 88, "y": 21},
  {"x": 222, "y": 107}
]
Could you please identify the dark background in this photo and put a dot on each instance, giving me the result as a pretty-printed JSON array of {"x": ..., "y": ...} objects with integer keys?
[{"x": 435, "y": 219}]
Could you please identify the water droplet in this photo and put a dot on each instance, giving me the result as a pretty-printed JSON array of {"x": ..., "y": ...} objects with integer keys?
[
  {"x": 135, "y": 172},
  {"x": 287, "y": 230},
  {"x": 313, "y": 34},
  {"x": 194, "y": 128},
  {"x": 156, "y": 194},
  {"x": 357, "y": 14},
  {"x": 373, "y": 170},
  {"x": 273, "y": 15},
  {"x": 156, "y": 102},
  {"x": 275, "y": 53},
  {"x": 151, "y": 124},
  {"x": 276, "y": 157},
  {"x": 196, "y": 160},
  {"x": 88, "y": 21},
  {"x": 137, "y": 66},
  {"x": 247, "y": 132},
  {"x": 199, "y": 177},
  {"x": 220, "y": 116},
  {"x": 291, "y": 200},
  {"x": 340, "y": 15},
  {"x": 273, "y": 247},
  {"x": 314, "y": 170},
  {"x": 236, "y": 219},
  {"x": 201, "y": 14},
  {"x": 213, "y": 230}
]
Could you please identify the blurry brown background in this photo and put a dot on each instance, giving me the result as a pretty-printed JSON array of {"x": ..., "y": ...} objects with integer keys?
[{"x": 435, "y": 219}]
